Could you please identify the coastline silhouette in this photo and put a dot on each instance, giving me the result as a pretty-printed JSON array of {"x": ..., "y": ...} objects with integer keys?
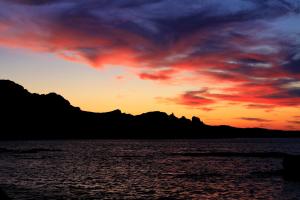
[{"x": 26, "y": 115}]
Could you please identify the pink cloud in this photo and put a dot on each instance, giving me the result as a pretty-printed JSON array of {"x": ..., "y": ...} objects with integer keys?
[
  {"x": 157, "y": 75},
  {"x": 194, "y": 98}
]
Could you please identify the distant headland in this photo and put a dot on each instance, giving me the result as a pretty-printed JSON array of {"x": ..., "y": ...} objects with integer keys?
[{"x": 26, "y": 116}]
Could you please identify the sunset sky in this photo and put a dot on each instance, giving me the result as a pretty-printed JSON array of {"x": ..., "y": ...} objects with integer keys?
[{"x": 234, "y": 62}]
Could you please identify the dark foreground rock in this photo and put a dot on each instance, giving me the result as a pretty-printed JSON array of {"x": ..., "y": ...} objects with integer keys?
[
  {"x": 291, "y": 167},
  {"x": 3, "y": 195}
]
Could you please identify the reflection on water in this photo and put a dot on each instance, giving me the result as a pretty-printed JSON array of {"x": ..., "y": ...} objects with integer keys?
[{"x": 127, "y": 169}]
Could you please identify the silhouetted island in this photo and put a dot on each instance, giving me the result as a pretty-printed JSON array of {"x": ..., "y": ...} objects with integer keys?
[{"x": 25, "y": 115}]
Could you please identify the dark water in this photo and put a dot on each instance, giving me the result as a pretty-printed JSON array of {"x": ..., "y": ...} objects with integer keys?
[{"x": 145, "y": 170}]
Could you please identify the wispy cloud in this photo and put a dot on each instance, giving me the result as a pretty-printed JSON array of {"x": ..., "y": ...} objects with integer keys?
[
  {"x": 255, "y": 119},
  {"x": 157, "y": 75},
  {"x": 294, "y": 122},
  {"x": 194, "y": 98},
  {"x": 260, "y": 106}
]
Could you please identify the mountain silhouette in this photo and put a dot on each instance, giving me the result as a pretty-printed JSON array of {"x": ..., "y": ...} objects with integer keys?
[{"x": 26, "y": 115}]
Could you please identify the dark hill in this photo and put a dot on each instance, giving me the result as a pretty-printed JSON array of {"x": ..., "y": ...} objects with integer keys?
[{"x": 24, "y": 115}]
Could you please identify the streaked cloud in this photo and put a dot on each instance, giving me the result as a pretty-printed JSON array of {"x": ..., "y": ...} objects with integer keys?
[
  {"x": 255, "y": 119},
  {"x": 294, "y": 122}
]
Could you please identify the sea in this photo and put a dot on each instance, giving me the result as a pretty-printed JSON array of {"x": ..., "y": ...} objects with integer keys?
[{"x": 147, "y": 169}]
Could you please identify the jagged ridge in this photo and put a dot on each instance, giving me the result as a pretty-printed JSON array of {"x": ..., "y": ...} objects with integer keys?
[{"x": 32, "y": 116}]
